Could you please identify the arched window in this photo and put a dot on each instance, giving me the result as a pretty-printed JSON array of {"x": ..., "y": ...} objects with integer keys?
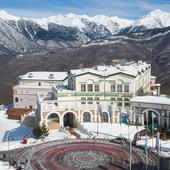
[
  {"x": 86, "y": 117},
  {"x": 16, "y": 99},
  {"x": 104, "y": 117},
  {"x": 123, "y": 118}
]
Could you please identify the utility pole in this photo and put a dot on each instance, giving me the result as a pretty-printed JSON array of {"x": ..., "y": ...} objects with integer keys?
[
  {"x": 130, "y": 158},
  {"x": 146, "y": 139},
  {"x": 158, "y": 147}
]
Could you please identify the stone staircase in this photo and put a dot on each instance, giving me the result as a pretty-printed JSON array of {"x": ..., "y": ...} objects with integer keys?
[{"x": 72, "y": 132}]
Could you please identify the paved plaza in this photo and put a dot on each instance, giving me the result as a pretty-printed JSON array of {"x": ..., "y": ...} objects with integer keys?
[{"x": 83, "y": 154}]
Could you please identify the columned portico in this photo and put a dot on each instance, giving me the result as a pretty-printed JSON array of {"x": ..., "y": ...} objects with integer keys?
[{"x": 152, "y": 110}]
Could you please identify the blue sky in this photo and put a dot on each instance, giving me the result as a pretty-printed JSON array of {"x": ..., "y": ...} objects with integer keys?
[{"x": 130, "y": 9}]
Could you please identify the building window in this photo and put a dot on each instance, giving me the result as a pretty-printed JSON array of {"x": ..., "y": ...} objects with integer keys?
[
  {"x": 113, "y": 88},
  {"x": 126, "y": 99},
  {"x": 119, "y": 88},
  {"x": 83, "y": 100},
  {"x": 86, "y": 117},
  {"x": 119, "y": 103},
  {"x": 126, "y": 88},
  {"x": 90, "y": 100},
  {"x": 123, "y": 118},
  {"x": 119, "y": 99},
  {"x": 112, "y": 98},
  {"x": 97, "y": 100},
  {"x": 83, "y": 87},
  {"x": 90, "y": 87},
  {"x": 16, "y": 99},
  {"x": 39, "y": 83},
  {"x": 104, "y": 117},
  {"x": 96, "y": 87},
  {"x": 127, "y": 104}
]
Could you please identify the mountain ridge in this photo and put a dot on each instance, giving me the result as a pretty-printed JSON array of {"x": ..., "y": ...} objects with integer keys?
[{"x": 71, "y": 30}]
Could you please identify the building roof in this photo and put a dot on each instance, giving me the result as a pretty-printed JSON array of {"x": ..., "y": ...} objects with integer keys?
[
  {"x": 152, "y": 99},
  {"x": 43, "y": 75},
  {"x": 128, "y": 68}
]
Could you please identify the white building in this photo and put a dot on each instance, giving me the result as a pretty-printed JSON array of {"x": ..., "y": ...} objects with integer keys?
[
  {"x": 25, "y": 93},
  {"x": 98, "y": 94}
]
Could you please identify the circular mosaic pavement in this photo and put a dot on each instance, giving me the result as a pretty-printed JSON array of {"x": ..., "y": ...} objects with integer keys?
[{"x": 86, "y": 159}]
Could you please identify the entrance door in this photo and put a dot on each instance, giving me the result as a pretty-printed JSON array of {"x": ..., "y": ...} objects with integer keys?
[{"x": 69, "y": 120}]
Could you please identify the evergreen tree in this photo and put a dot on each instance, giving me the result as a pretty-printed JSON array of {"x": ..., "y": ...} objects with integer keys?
[
  {"x": 40, "y": 131},
  {"x": 45, "y": 131}
]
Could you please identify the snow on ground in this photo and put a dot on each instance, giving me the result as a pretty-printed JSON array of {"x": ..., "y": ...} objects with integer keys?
[
  {"x": 12, "y": 132},
  {"x": 5, "y": 166},
  {"x": 110, "y": 130},
  {"x": 151, "y": 143},
  {"x": 106, "y": 130}
]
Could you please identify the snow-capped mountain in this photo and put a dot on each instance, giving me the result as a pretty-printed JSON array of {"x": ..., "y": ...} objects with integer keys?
[
  {"x": 63, "y": 31},
  {"x": 155, "y": 19},
  {"x": 72, "y": 20},
  {"x": 70, "y": 30},
  {"x": 12, "y": 40}
]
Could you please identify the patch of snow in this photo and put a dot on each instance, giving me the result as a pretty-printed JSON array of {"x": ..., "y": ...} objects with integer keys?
[
  {"x": 5, "y": 166},
  {"x": 112, "y": 130},
  {"x": 151, "y": 143},
  {"x": 12, "y": 132}
]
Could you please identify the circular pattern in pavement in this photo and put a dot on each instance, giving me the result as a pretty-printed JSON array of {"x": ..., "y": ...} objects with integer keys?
[{"x": 86, "y": 159}]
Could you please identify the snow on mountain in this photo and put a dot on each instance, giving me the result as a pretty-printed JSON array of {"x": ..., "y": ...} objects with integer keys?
[
  {"x": 15, "y": 41},
  {"x": 113, "y": 24},
  {"x": 70, "y": 30},
  {"x": 155, "y": 19},
  {"x": 5, "y": 16},
  {"x": 69, "y": 20}
]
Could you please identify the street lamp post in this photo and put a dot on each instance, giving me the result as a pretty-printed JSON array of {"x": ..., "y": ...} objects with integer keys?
[
  {"x": 9, "y": 152},
  {"x": 97, "y": 124}
]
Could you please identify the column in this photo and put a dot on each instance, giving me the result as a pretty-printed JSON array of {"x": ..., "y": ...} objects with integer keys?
[
  {"x": 61, "y": 121},
  {"x": 162, "y": 117}
]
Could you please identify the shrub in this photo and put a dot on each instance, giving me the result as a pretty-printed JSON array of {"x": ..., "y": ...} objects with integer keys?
[{"x": 40, "y": 131}]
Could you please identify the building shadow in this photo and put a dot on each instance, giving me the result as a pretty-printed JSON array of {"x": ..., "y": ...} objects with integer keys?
[{"x": 17, "y": 134}]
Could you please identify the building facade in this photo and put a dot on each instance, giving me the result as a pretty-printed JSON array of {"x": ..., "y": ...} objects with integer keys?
[
  {"x": 98, "y": 94},
  {"x": 25, "y": 93},
  {"x": 151, "y": 111}
]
